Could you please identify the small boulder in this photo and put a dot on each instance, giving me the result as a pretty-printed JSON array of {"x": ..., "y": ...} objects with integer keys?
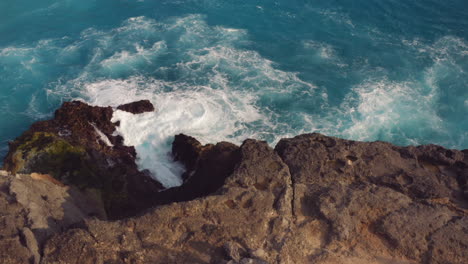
[{"x": 137, "y": 107}]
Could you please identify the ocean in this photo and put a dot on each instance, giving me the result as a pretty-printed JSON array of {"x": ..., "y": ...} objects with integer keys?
[{"x": 219, "y": 70}]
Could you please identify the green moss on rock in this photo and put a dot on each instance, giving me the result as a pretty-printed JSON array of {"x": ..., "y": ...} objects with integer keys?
[{"x": 48, "y": 153}]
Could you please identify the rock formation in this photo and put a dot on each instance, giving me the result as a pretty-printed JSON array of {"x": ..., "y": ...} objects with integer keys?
[
  {"x": 137, "y": 107},
  {"x": 311, "y": 199},
  {"x": 78, "y": 147}
]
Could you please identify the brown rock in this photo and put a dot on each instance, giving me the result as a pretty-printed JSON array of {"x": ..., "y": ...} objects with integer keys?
[
  {"x": 74, "y": 246},
  {"x": 46, "y": 177},
  {"x": 251, "y": 210},
  {"x": 233, "y": 250},
  {"x": 314, "y": 199},
  {"x": 407, "y": 229},
  {"x": 13, "y": 252},
  {"x": 33, "y": 210},
  {"x": 79, "y": 148},
  {"x": 372, "y": 202}
]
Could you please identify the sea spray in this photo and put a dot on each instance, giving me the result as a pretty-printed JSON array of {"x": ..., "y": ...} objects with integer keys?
[{"x": 209, "y": 115}]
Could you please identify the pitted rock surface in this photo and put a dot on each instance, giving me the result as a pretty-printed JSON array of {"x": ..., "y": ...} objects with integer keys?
[{"x": 312, "y": 199}]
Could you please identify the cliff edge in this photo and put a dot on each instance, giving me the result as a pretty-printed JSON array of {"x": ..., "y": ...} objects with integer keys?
[{"x": 311, "y": 199}]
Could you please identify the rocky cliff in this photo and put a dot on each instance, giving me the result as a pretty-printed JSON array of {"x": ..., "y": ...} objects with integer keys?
[
  {"x": 78, "y": 147},
  {"x": 311, "y": 199}
]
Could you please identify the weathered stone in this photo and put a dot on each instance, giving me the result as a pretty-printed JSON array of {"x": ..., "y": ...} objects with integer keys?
[
  {"x": 31, "y": 244},
  {"x": 407, "y": 230},
  {"x": 252, "y": 208},
  {"x": 370, "y": 201},
  {"x": 78, "y": 147},
  {"x": 449, "y": 244},
  {"x": 187, "y": 150},
  {"x": 137, "y": 107},
  {"x": 74, "y": 246},
  {"x": 207, "y": 167},
  {"x": 314, "y": 199},
  {"x": 32, "y": 210},
  {"x": 13, "y": 252}
]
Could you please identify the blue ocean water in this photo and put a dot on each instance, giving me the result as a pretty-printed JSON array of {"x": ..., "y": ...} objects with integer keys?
[{"x": 227, "y": 70}]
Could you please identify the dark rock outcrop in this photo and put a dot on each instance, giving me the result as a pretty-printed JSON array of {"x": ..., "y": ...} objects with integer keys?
[
  {"x": 207, "y": 168},
  {"x": 78, "y": 147},
  {"x": 312, "y": 199},
  {"x": 137, "y": 107},
  {"x": 247, "y": 220}
]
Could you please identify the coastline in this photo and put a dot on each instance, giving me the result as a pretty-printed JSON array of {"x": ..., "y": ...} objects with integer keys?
[{"x": 311, "y": 198}]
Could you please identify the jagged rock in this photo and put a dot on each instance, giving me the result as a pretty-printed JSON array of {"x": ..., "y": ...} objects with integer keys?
[
  {"x": 312, "y": 199},
  {"x": 31, "y": 243},
  {"x": 12, "y": 251},
  {"x": 78, "y": 147},
  {"x": 137, "y": 107},
  {"x": 187, "y": 150},
  {"x": 207, "y": 166},
  {"x": 252, "y": 208},
  {"x": 315, "y": 199}
]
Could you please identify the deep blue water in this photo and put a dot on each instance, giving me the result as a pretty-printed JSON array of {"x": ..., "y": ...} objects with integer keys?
[{"x": 227, "y": 70}]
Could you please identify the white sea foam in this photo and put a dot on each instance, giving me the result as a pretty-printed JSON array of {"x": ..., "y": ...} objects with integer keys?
[
  {"x": 214, "y": 90},
  {"x": 405, "y": 111},
  {"x": 322, "y": 49},
  {"x": 382, "y": 109},
  {"x": 33, "y": 111},
  {"x": 214, "y": 97},
  {"x": 102, "y": 136},
  {"x": 325, "y": 52},
  {"x": 124, "y": 62},
  {"x": 204, "y": 81},
  {"x": 208, "y": 114}
]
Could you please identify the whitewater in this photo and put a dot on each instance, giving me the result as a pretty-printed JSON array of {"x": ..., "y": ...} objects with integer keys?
[{"x": 230, "y": 70}]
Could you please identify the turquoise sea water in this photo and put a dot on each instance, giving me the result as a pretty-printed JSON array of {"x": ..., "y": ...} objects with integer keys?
[{"x": 227, "y": 70}]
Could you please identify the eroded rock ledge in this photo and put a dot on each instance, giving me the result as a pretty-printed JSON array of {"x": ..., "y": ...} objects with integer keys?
[{"x": 311, "y": 199}]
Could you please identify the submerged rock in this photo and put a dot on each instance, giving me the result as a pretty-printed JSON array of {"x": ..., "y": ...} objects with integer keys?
[{"x": 311, "y": 199}]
